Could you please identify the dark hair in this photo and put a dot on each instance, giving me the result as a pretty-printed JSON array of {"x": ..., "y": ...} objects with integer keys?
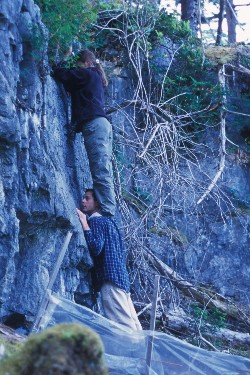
[
  {"x": 85, "y": 55},
  {"x": 92, "y": 191}
]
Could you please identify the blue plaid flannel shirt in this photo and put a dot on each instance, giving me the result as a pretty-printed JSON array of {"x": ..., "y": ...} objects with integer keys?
[{"x": 105, "y": 245}]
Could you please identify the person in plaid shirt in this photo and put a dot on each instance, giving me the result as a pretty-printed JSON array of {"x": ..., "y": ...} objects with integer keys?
[{"x": 110, "y": 275}]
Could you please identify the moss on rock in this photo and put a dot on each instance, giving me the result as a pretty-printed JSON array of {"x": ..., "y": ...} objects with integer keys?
[
  {"x": 10, "y": 346},
  {"x": 227, "y": 54},
  {"x": 67, "y": 349}
]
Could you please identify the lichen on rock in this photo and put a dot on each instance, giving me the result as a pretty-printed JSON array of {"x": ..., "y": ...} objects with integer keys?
[{"x": 66, "y": 349}]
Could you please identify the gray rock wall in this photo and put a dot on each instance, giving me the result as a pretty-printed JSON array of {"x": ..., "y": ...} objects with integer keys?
[{"x": 43, "y": 171}]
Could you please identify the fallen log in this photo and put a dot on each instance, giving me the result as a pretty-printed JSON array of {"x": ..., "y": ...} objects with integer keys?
[
  {"x": 206, "y": 297},
  {"x": 179, "y": 323},
  {"x": 10, "y": 334}
]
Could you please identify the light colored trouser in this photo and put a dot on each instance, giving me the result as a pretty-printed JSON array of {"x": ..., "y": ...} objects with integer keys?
[
  {"x": 98, "y": 138},
  {"x": 118, "y": 306}
]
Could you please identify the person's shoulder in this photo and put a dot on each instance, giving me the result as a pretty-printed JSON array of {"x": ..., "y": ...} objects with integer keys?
[
  {"x": 105, "y": 220},
  {"x": 81, "y": 69},
  {"x": 108, "y": 218},
  {"x": 97, "y": 219},
  {"x": 93, "y": 71},
  {"x": 110, "y": 222},
  {"x": 80, "y": 72}
]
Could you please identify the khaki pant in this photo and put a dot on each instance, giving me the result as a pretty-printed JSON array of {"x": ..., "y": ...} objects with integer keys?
[
  {"x": 97, "y": 135},
  {"x": 118, "y": 306}
]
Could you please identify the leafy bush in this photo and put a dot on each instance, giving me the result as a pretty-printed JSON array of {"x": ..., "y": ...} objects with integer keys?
[
  {"x": 67, "y": 22},
  {"x": 188, "y": 80},
  {"x": 212, "y": 319},
  {"x": 168, "y": 25}
]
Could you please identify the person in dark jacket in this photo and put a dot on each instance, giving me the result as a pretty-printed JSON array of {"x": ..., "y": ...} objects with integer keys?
[
  {"x": 110, "y": 275},
  {"x": 85, "y": 83}
]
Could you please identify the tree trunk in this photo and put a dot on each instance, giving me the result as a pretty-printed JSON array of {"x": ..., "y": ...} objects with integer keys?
[
  {"x": 220, "y": 21},
  {"x": 190, "y": 12},
  {"x": 231, "y": 21}
]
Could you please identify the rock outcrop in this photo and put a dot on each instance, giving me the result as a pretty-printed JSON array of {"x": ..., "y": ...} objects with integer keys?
[{"x": 43, "y": 170}]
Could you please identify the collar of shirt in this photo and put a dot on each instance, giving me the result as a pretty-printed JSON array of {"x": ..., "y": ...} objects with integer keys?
[{"x": 95, "y": 214}]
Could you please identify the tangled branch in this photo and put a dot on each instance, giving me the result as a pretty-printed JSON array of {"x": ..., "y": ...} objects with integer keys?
[{"x": 158, "y": 161}]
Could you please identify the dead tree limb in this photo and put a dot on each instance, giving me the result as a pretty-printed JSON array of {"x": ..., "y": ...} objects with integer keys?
[
  {"x": 178, "y": 322},
  {"x": 239, "y": 68},
  {"x": 221, "y": 77},
  {"x": 237, "y": 113},
  {"x": 202, "y": 295}
]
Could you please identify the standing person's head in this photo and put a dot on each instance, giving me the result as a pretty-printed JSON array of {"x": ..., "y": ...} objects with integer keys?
[
  {"x": 90, "y": 203},
  {"x": 87, "y": 59}
]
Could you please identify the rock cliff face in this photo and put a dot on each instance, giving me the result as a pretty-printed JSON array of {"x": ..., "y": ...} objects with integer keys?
[{"x": 44, "y": 171}]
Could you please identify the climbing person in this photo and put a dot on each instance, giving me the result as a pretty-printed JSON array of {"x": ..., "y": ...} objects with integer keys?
[
  {"x": 85, "y": 83},
  {"x": 109, "y": 275}
]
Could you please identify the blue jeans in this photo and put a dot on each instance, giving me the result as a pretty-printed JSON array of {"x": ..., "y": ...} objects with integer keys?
[{"x": 97, "y": 135}]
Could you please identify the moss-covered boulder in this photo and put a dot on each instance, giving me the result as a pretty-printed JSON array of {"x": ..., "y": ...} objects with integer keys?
[
  {"x": 228, "y": 54},
  {"x": 10, "y": 341},
  {"x": 67, "y": 349}
]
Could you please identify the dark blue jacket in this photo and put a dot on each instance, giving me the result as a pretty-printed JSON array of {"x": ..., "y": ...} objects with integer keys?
[{"x": 87, "y": 94}]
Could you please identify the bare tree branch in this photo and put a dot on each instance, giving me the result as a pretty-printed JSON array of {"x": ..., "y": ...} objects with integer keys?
[
  {"x": 221, "y": 77},
  {"x": 212, "y": 299},
  {"x": 239, "y": 68},
  {"x": 159, "y": 162},
  {"x": 237, "y": 113}
]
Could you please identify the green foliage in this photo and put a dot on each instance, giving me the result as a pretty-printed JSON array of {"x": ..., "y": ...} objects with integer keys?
[
  {"x": 67, "y": 21},
  {"x": 188, "y": 81},
  {"x": 71, "y": 23},
  {"x": 37, "y": 41},
  {"x": 168, "y": 25},
  {"x": 212, "y": 319},
  {"x": 200, "y": 99},
  {"x": 217, "y": 318},
  {"x": 11, "y": 347},
  {"x": 245, "y": 61}
]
